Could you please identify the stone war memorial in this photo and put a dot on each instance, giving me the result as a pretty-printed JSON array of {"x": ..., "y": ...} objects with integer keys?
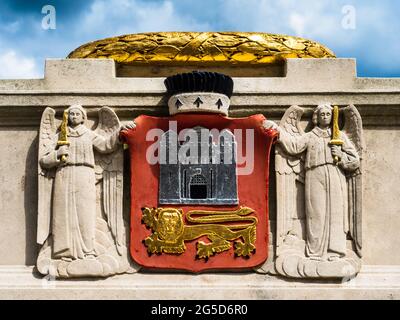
[{"x": 200, "y": 165}]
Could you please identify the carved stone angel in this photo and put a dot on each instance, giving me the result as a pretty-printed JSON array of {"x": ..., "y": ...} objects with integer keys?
[
  {"x": 318, "y": 195},
  {"x": 81, "y": 235}
]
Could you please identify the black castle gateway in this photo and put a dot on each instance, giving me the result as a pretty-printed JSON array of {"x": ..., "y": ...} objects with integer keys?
[{"x": 200, "y": 167}]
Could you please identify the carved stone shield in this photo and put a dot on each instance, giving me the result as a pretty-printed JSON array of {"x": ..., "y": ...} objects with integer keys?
[{"x": 199, "y": 191}]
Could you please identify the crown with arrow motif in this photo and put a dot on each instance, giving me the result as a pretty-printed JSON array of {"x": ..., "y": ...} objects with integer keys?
[{"x": 199, "y": 91}]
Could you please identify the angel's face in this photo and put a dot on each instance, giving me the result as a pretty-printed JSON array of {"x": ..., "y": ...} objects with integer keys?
[
  {"x": 75, "y": 117},
  {"x": 324, "y": 117}
]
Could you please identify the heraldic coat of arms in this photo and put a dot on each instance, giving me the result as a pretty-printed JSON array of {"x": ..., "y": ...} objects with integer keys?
[{"x": 199, "y": 181}]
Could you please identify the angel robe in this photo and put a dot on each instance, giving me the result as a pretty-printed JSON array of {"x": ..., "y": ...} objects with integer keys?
[
  {"x": 74, "y": 192},
  {"x": 326, "y": 197}
]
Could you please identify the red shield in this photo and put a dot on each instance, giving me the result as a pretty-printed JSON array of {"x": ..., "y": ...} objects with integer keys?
[{"x": 221, "y": 230}]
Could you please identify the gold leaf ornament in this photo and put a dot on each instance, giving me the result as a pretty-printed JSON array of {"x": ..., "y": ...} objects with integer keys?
[{"x": 202, "y": 48}]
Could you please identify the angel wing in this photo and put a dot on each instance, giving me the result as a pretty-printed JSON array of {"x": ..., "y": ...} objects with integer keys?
[
  {"x": 47, "y": 132},
  {"x": 290, "y": 123},
  {"x": 109, "y": 167},
  {"x": 353, "y": 129},
  {"x": 289, "y": 169}
]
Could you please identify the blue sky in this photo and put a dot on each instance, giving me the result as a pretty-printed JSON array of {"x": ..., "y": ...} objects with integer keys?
[{"x": 364, "y": 29}]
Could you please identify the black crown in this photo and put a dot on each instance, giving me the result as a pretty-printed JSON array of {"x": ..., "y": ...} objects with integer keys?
[{"x": 199, "y": 81}]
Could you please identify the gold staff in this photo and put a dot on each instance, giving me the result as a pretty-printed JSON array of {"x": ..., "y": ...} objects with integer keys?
[
  {"x": 336, "y": 141},
  {"x": 62, "y": 139}
]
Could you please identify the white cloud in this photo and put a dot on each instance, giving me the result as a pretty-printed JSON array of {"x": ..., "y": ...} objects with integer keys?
[
  {"x": 306, "y": 18},
  {"x": 16, "y": 66},
  {"x": 12, "y": 27},
  {"x": 322, "y": 21},
  {"x": 297, "y": 22},
  {"x": 117, "y": 17}
]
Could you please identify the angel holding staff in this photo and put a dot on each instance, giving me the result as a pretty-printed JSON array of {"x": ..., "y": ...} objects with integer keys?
[
  {"x": 332, "y": 210},
  {"x": 67, "y": 181}
]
